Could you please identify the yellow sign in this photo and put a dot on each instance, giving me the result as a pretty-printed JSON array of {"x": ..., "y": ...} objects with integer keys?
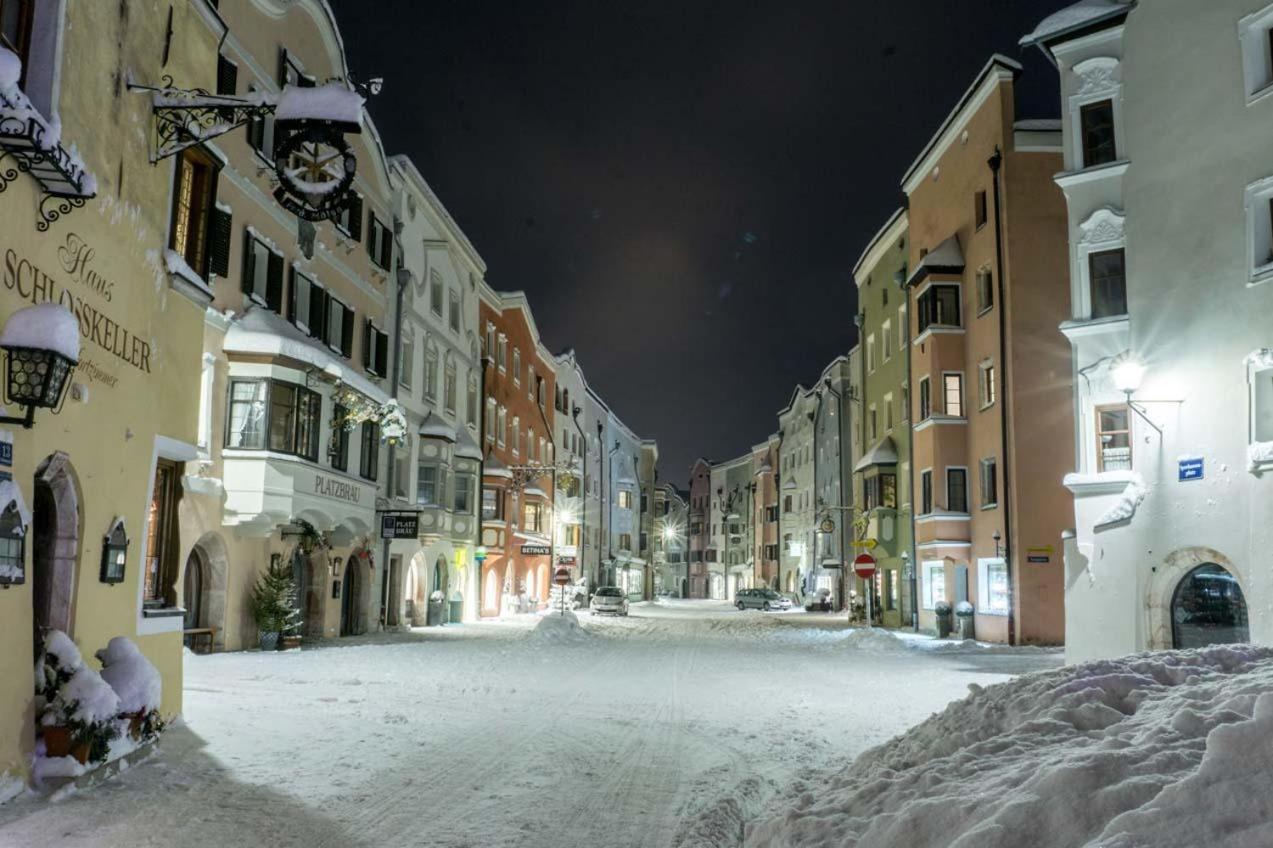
[
  {"x": 1043, "y": 549},
  {"x": 868, "y": 544}
]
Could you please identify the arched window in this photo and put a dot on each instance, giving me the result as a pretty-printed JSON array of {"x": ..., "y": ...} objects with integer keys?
[{"x": 1208, "y": 608}]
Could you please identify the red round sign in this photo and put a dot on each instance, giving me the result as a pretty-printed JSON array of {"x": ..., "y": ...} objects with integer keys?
[
  {"x": 864, "y": 566},
  {"x": 561, "y": 576}
]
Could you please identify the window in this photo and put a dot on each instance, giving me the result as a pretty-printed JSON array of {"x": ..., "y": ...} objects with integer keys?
[
  {"x": 530, "y": 382},
  {"x": 431, "y": 373},
  {"x": 430, "y": 487},
  {"x": 533, "y": 516},
  {"x": 985, "y": 290},
  {"x": 1113, "y": 438},
  {"x": 886, "y": 340},
  {"x": 786, "y": 503},
  {"x": 1097, "y": 130},
  {"x": 490, "y": 419},
  {"x": 501, "y": 353},
  {"x": 12, "y": 547},
  {"x": 953, "y": 394},
  {"x": 992, "y": 586},
  {"x": 926, "y": 491},
  {"x": 339, "y": 447},
  {"x": 957, "y": 489},
  {"x": 871, "y": 421},
  {"x": 305, "y": 293},
  {"x": 492, "y": 504},
  {"x": 380, "y": 244},
  {"x": 435, "y": 292},
  {"x": 771, "y": 514},
  {"x": 986, "y": 383},
  {"x": 375, "y": 350},
  {"x": 488, "y": 342},
  {"x": 906, "y": 401},
  {"x": 979, "y": 208},
  {"x": 227, "y": 76},
  {"x": 262, "y": 274},
  {"x": 932, "y": 583},
  {"x": 880, "y": 491},
  {"x": 517, "y": 367},
  {"x": 625, "y": 541},
  {"x": 448, "y": 386},
  {"x": 645, "y": 503},
  {"x": 1109, "y": 283},
  {"x": 161, "y": 530},
  {"x": 471, "y": 411},
  {"x": 402, "y": 470},
  {"x": 870, "y": 354},
  {"x": 501, "y": 427},
  {"x": 15, "y": 30},
  {"x": 369, "y": 455},
  {"x": 888, "y": 412},
  {"x": 455, "y": 311},
  {"x": 903, "y": 328},
  {"x": 989, "y": 484},
  {"x": 625, "y": 499},
  {"x": 193, "y": 197},
  {"x": 339, "y": 331},
  {"x": 273, "y": 415},
  {"x": 925, "y": 399},
  {"x": 350, "y": 218},
  {"x": 261, "y": 133},
  {"x": 939, "y": 306},
  {"x": 515, "y": 437}
]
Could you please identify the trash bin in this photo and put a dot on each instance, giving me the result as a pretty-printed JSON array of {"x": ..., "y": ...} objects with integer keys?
[
  {"x": 963, "y": 614},
  {"x": 944, "y": 624},
  {"x": 457, "y": 610},
  {"x": 437, "y": 609}
]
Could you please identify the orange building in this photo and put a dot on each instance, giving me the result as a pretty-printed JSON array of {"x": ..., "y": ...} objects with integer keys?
[
  {"x": 517, "y": 503},
  {"x": 990, "y": 372}
]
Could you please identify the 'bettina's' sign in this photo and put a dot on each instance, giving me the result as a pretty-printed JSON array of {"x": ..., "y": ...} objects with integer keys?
[
  {"x": 76, "y": 259},
  {"x": 338, "y": 489}
]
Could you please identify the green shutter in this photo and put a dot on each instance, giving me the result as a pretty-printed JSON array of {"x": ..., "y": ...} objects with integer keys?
[
  {"x": 274, "y": 283},
  {"x": 219, "y": 242},
  {"x": 249, "y": 263}
]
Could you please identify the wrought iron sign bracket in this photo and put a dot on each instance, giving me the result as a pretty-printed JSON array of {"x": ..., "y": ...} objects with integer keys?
[{"x": 186, "y": 117}]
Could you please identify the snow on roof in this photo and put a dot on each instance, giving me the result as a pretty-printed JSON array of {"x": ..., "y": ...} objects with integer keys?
[
  {"x": 946, "y": 257},
  {"x": 260, "y": 331},
  {"x": 495, "y": 467},
  {"x": 884, "y": 453},
  {"x": 331, "y": 102},
  {"x": 1038, "y": 125},
  {"x": 465, "y": 446},
  {"x": 435, "y": 427},
  {"x": 1081, "y": 14},
  {"x": 46, "y": 325}
]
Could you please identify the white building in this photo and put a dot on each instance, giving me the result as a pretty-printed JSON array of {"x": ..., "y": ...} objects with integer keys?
[
  {"x": 1169, "y": 182},
  {"x": 579, "y": 503},
  {"x": 796, "y": 495},
  {"x": 433, "y": 475},
  {"x": 669, "y": 540}
]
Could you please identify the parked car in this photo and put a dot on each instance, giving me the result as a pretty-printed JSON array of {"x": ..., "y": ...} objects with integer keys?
[
  {"x": 764, "y": 599},
  {"x": 609, "y": 600},
  {"x": 820, "y": 601}
]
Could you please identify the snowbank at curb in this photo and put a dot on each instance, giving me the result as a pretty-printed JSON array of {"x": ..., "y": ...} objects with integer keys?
[
  {"x": 875, "y": 640},
  {"x": 1158, "y": 749},
  {"x": 557, "y": 627}
]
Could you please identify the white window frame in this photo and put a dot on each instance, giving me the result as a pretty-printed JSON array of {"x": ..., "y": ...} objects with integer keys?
[
  {"x": 903, "y": 326},
  {"x": 983, "y": 586},
  {"x": 1259, "y": 365},
  {"x": 870, "y": 354},
  {"x": 888, "y": 413},
  {"x": 981, "y": 482},
  {"x": 406, "y": 358},
  {"x": 886, "y": 340},
  {"x": 926, "y": 472},
  {"x": 1097, "y": 78},
  {"x": 1102, "y": 231},
  {"x": 1259, "y": 231},
  {"x": 929, "y": 568},
  {"x": 501, "y": 428},
  {"x": 1257, "y": 64},
  {"x": 517, "y": 366},
  {"x": 986, "y": 367},
  {"x": 963, "y": 395}
]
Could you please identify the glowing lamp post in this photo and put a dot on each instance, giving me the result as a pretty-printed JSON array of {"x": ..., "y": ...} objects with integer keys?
[
  {"x": 1128, "y": 374},
  {"x": 42, "y": 347}
]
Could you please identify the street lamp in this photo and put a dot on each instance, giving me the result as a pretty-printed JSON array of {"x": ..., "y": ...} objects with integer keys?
[
  {"x": 42, "y": 346},
  {"x": 998, "y": 538},
  {"x": 1128, "y": 372}
]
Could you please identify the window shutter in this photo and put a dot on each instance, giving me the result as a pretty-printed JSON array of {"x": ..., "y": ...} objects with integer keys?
[
  {"x": 249, "y": 263},
  {"x": 355, "y": 218},
  {"x": 274, "y": 283},
  {"x": 219, "y": 232},
  {"x": 227, "y": 76},
  {"x": 291, "y": 295},
  {"x": 318, "y": 313},
  {"x": 386, "y": 248},
  {"x": 347, "y": 333},
  {"x": 368, "y": 344},
  {"x": 382, "y": 353},
  {"x": 372, "y": 233},
  {"x": 282, "y": 67}
]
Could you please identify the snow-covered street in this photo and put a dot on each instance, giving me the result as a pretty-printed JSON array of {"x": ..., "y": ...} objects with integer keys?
[{"x": 669, "y": 727}]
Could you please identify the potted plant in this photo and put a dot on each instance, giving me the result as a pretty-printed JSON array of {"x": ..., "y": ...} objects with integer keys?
[
  {"x": 274, "y": 605},
  {"x": 79, "y": 720}
]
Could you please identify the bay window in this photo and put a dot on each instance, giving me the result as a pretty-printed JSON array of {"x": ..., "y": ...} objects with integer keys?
[
  {"x": 464, "y": 485},
  {"x": 939, "y": 306},
  {"x": 274, "y": 415}
]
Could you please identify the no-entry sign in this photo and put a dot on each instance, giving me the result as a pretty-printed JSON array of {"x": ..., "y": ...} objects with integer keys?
[
  {"x": 864, "y": 566},
  {"x": 561, "y": 576}
]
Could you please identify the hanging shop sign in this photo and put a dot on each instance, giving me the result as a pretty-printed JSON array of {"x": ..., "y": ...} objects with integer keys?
[
  {"x": 399, "y": 526},
  {"x": 536, "y": 550},
  {"x": 565, "y": 560},
  {"x": 315, "y": 169}
]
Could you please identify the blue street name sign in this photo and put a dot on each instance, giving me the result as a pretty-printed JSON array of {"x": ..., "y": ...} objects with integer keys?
[{"x": 1191, "y": 469}]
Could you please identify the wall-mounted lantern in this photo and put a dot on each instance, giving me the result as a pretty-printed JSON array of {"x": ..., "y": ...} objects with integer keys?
[
  {"x": 15, "y": 518},
  {"x": 114, "y": 553},
  {"x": 42, "y": 347}
]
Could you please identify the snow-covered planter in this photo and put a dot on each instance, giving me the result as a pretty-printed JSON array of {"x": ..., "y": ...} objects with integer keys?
[
  {"x": 79, "y": 707},
  {"x": 138, "y": 685},
  {"x": 963, "y": 609}
]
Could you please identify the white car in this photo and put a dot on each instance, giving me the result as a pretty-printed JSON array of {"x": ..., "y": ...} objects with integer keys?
[{"x": 609, "y": 600}]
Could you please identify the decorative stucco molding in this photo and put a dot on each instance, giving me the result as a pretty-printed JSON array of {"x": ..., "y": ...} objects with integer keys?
[
  {"x": 1102, "y": 226},
  {"x": 1097, "y": 75}
]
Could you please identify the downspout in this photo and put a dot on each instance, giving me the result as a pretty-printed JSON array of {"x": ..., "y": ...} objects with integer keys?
[
  {"x": 844, "y": 542},
  {"x": 910, "y": 454},
  {"x": 610, "y": 516},
  {"x": 996, "y": 163},
  {"x": 778, "y": 502},
  {"x": 601, "y": 495},
  {"x": 815, "y": 567},
  {"x": 859, "y": 321},
  {"x": 583, "y": 495},
  {"x": 481, "y": 485},
  {"x": 400, "y": 290}
]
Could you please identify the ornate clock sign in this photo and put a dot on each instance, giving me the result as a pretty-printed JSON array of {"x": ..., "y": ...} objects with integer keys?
[{"x": 315, "y": 168}]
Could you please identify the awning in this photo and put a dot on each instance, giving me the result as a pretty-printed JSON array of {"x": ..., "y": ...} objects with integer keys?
[
  {"x": 946, "y": 258},
  {"x": 259, "y": 331},
  {"x": 884, "y": 453},
  {"x": 434, "y": 427}
]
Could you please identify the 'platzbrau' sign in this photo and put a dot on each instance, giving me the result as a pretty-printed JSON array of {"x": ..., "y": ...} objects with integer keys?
[{"x": 76, "y": 258}]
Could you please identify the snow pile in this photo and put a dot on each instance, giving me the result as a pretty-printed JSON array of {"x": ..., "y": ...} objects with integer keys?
[
  {"x": 875, "y": 640},
  {"x": 330, "y": 102},
  {"x": 1125, "y": 507},
  {"x": 1152, "y": 749},
  {"x": 10, "y": 69},
  {"x": 177, "y": 266},
  {"x": 85, "y": 698},
  {"x": 46, "y": 325},
  {"x": 135, "y": 680},
  {"x": 558, "y": 627}
]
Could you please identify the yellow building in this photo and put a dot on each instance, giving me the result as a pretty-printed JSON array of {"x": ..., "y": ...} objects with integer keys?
[{"x": 93, "y": 237}]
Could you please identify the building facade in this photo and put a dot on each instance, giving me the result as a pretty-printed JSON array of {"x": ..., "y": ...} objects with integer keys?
[
  {"x": 765, "y": 516},
  {"x": 699, "y": 521},
  {"x": 432, "y": 476},
  {"x": 990, "y": 376},
  {"x": 796, "y": 494},
  {"x": 834, "y": 508},
  {"x": 669, "y": 540},
  {"x": 1171, "y": 389},
  {"x": 579, "y": 501},
  {"x": 882, "y": 473}
]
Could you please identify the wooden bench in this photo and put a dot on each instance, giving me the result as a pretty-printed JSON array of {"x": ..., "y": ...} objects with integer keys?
[{"x": 194, "y": 634}]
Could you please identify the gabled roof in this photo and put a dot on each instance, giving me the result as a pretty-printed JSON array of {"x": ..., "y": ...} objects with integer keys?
[
  {"x": 884, "y": 453},
  {"x": 946, "y": 258},
  {"x": 1072, "y": 19},
  {"x": 434, "y": 427}
]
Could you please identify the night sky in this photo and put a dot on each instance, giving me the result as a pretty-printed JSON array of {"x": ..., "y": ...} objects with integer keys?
[{"x": 682, "y": 189}]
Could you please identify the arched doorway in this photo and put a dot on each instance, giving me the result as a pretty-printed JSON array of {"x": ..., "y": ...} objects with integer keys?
[
  {"x": 1208, "y": 608},
  {"x": 55, "y": 541},
  {"x": 194, "y": 591},
  {"x": 440, "y": 576},
  {"x": 350, "y": 594},
  {"x": 490, "y": 593}
]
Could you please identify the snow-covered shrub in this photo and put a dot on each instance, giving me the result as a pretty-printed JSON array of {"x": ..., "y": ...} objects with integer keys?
[
  {"x": 86, "y": 706},
  {"x": 137, "y": 683}
]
